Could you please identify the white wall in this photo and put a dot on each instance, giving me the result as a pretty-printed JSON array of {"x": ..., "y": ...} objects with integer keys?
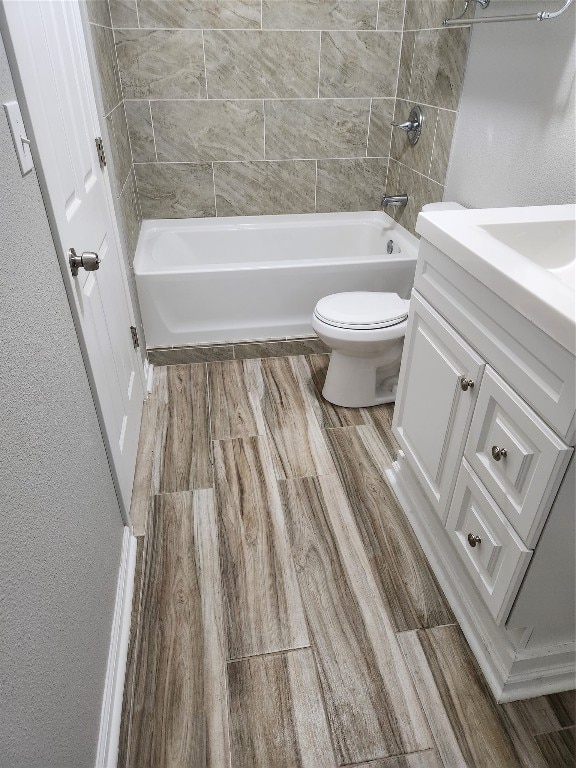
[
  {"x": 60, "y": 525},
  {"x": 515, "y": 142}
]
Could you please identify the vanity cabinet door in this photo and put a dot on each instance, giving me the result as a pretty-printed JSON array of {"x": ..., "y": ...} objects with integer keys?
[{"x": 439, "y": 381}]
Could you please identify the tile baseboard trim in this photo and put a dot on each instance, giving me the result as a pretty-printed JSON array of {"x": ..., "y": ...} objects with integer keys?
[{"x": 243, "y": 350}]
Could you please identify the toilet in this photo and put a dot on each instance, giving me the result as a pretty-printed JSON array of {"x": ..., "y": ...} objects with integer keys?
[{"x": 365, "y": 331}]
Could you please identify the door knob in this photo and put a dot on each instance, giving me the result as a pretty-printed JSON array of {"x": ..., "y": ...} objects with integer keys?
[
  {"x": 89, "y": 261},
  {"x": 466, "y": 384},
  {"x": 473, "y": 540},
  {"x": 498, "y": 453}
]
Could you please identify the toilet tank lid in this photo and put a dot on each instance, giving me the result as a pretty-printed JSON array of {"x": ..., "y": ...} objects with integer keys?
[
  {"x": 362, "y": 309},
  {"x": 448, "y": 206}
]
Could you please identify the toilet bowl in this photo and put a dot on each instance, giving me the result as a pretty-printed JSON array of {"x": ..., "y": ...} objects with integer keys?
[{"x": 365, "y": 331}]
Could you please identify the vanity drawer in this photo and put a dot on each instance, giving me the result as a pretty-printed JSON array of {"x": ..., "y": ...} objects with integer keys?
[
  {"x": 497, "y": 559},
  {"x": 517, "y": 457}
]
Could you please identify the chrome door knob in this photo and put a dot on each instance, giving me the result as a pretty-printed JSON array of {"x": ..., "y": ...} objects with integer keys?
[
  {"x": 498, "y": 453},
  {"x": 88, "y": 261},
  {"x": 466, "y": 384},
  {"x": 473, "y": 539}
]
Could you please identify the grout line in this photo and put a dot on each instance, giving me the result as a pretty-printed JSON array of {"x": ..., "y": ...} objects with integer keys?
[
  {"x": 264, "y": 114},
  {"x": 202, "y": 100},
  {"x": 417, "y": 172},
  {"x": 431, "y": 106},
  {"x": 316, "y": 188},
  {"x": 266, "y": 160},
  {"x": 369, "y": 121},
  {"x": 214, "y": 187},
  {"x": 433, "y": 142},
  {"x": 137, "y": 13},
  {"x": 153, "y": 131},
  {"x": 204, "y": 59},
  {"x": 261, "y": 14},
  {"x": 268, "y": 653},
  {"x": 260, "y": 29},
  {"x": 377, "y": 13},
  {"x": 411, "y": 69},
  {"x": 319, "y": 60}
]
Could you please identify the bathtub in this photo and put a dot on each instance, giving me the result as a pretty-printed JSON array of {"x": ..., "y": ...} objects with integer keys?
[{"x": 259, "y": 277}]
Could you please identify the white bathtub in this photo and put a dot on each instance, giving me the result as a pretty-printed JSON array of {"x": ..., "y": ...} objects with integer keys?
[{"x": 259, "y": 277}]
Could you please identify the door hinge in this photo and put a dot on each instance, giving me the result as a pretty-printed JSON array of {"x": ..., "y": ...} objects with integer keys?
[
  {"x": 134, "y": 334},
  {"x": 101, "y": 152}
]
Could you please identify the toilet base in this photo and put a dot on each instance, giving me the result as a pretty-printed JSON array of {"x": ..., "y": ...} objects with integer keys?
[{"x": 359, "y": 382}]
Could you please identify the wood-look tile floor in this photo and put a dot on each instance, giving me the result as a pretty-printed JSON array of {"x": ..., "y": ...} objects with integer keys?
[{"x": 284, "y": 614}]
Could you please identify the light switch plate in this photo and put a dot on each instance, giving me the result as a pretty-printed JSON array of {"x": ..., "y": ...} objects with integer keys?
[{"x": 19, "y": 138}]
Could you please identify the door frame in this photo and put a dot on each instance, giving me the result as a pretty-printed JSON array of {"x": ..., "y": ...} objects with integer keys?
[{"x": 60, "y": 248}]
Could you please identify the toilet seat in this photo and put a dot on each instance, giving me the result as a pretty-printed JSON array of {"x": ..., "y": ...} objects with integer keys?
[{"x": 362, "y": 310}]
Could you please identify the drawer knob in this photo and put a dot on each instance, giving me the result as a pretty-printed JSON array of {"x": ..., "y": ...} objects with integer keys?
[
  {"x": 498, "y": 453},
  {"x": 466, "y": 384},
  {"x": 473, "y": 540}
]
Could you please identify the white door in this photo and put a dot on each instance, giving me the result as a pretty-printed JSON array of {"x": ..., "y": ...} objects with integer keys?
[
  {"x": 47, "y": 46},
  {"x": 437, "y": 389}
]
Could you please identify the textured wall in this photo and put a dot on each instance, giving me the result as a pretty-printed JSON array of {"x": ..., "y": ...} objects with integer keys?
[
  {"x": 432, "y": 68},
  {"x": 247, "y": 107},
  {"x": 61, "y": 528},
  {"x": 515, "y": 139}
]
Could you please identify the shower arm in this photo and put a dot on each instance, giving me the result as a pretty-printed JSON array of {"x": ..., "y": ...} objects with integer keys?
[{"x": 539, "y": 16}]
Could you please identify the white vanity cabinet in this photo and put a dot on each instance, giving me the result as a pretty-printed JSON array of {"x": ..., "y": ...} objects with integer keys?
[
  {"x": 484, "y": 418},
  {"x": 436, "y": 394}
]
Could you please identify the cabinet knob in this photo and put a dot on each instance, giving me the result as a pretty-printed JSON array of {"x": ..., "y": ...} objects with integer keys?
[
  {"x": 498, "y": 453},
  {"x": 466, "y": 384},
  {"x": 473, "y": 539}
]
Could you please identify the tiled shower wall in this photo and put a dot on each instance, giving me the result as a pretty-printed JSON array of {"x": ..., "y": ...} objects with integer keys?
[
  {"x": 239, "y": 107},
  {"x": 122, "y": 174},
  {"x": 432, "y": 67},
  {"x": 244, "y": 107}
]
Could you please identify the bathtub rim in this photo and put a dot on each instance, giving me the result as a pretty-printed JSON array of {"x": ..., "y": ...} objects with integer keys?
[{"x": 254, "y": 223}]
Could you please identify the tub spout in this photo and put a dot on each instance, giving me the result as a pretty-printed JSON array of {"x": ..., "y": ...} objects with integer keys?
[{"x": 395, "y": 201}]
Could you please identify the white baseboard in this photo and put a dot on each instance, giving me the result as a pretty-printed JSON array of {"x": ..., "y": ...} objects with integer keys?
[
  {"x": 149, "y": 376},
  {"x": 511, "y": 673},
  {"x": 107, "y": 754}
]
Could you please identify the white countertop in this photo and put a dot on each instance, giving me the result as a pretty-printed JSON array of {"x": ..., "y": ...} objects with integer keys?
[{"x": 527, "y": 256}]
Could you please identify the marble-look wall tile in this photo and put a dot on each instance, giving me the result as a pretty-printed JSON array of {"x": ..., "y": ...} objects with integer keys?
[
  {"x": 314, "y": 128},
  {"x": 381, "y": 114},
  {"x": 161, "y": 64},
  {"x": 405, "y": 73},
  {"x": 200, "y": 14},
  {"x": 415, "y": 156},
  {"x": 124, "y": 13},
  {"x": 120, "y": 148},
  {"x": 359, "y": 63},
  {"x": 103, "y": 41},
  {"x": 140, "y": 131},
  {"x": 350, "y": 185},
  {"x": 131, "y": 218},
  {"x": 420, "y": 190},
  {"x": 391, "y": 14},
  {"x": 427, "y": 14},
  {"x": 442, "y": 144},
  {"x": 263, "y": 188},
  {"x": 438, "y": 67},
  {"x": 323, "y": 14},
  {"x": 255, "y": 64},
  {"x": 98, "y": 12},
  {"x": 175, "y": 190},
  {"x": 208, "y": 130}
]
